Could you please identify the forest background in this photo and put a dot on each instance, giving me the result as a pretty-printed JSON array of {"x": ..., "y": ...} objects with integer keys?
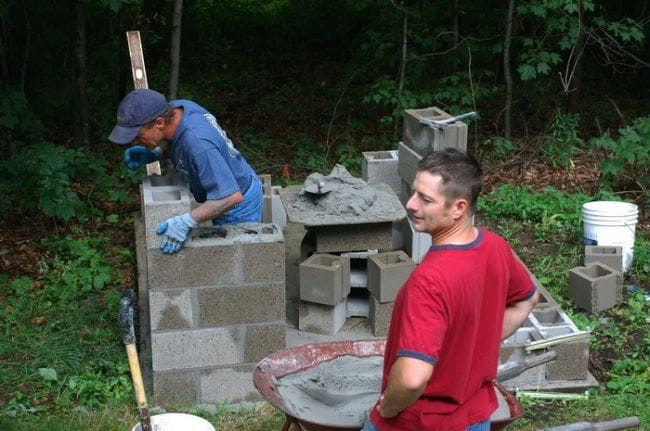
[{"x": 560, "y": 88}]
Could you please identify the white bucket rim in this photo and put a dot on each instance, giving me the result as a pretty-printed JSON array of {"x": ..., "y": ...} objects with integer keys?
[
  {"x": 608, "y": 207},
  {"x": 185, "y": 417}
]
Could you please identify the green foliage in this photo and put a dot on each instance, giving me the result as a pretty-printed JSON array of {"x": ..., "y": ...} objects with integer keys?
[
  {"x": 628, "y": 155},
  {"x": 499, "y": 147},
  {"x": 562, "y": 139},
  {"x": 58, "y": 337},
  {"x": 18, "y": 123}
]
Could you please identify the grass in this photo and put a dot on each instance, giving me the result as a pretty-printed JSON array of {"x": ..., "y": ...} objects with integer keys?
[{"x": 63, "y": 366}]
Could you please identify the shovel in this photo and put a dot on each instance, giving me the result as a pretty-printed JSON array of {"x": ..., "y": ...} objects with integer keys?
[{"x": 125, "y": 321}]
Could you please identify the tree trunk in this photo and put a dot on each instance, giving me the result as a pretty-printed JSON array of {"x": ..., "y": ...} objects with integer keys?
[
  {"x": 80, "y": 102},
  {"x": 175, "y": 51},
  {"x": 402, "y": 66},
  {"x": 4, "y": 51},
  {"x": 575, "y": 79},
  {"x": 507, "y": 131},
  {"x": 28, "y": 37}
]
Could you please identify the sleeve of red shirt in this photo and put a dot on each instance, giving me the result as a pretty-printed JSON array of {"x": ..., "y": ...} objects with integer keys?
[{"x": 521, "y": 286}]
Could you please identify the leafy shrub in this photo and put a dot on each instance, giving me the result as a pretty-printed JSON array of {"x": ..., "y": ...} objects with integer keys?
[
  {"x": 39, "y": 178},
  {"x": 628, "y": 155},
  {"x": 562, "y": 140}
]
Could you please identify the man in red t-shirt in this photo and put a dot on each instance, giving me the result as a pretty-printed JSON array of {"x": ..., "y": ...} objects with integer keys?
[{"x": 449, "y": 318}]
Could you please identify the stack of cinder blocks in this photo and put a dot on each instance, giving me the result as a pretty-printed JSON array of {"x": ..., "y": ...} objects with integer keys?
[
  {"x": 215, "y": 308},
  {"x": 547, "y": 322},
  {"x": 334, "y": 255},
  {"x": 598, "y": 285}
]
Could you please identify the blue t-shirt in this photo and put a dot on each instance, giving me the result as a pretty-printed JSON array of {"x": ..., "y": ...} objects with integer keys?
[{"x": 206, "y": 157}]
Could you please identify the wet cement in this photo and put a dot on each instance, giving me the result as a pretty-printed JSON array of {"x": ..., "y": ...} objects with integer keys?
[
  {"x": 342, "y": 391},
  {"x": 339, "y": 392},
  {"x": 340, "y": 198}
]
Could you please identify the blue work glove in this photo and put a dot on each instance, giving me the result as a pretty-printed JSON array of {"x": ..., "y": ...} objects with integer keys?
[
  {"x": 175, "y": 231},
  {"x": 137, "y": 156}
]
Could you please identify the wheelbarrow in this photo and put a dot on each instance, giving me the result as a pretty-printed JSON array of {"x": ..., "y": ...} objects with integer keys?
[{"x": 300, "y": 358}]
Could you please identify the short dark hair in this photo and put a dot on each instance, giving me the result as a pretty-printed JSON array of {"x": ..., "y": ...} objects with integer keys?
[{"x": 462, "y": 176}]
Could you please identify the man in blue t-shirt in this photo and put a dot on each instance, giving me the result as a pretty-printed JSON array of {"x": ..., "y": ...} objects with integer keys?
[{"x": 218, "y": 175}]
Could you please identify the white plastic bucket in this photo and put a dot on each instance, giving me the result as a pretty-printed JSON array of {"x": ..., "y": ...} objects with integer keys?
[
  {"x": 177, "y": 422},
  {"x": 611, "y": 223}
]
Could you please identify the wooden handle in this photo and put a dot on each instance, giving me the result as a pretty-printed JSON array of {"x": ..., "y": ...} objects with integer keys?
[{"x": 136, "y": 376}]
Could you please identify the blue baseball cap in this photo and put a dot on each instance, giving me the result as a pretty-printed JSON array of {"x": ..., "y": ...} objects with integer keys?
[{"x": 138, "y": 108}]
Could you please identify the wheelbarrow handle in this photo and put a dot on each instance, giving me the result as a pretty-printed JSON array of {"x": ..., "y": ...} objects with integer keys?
[{"x": 616, "y": 424}]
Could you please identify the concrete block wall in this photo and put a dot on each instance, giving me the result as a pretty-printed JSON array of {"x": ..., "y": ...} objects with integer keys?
[
  {"x": 611, "y": 256},
  {"x": 216, "y": 308},
  {"x": 595, "y": 287},
  {"x": 424, "y": 139},
  {"x": 351, "y": 237},
  {"x": 381, "y": 167}
]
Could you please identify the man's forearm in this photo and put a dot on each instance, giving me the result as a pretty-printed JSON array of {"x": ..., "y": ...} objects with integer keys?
[
  {"x": 213, "y": 208},
  {"x": 516, "y": 314},
  {"x": 407, "y": 379}
]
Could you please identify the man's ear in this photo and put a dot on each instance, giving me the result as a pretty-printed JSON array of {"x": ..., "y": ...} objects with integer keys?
[
  {"x": 160, "y": 122},
  {"x": 460, "y": 208}
]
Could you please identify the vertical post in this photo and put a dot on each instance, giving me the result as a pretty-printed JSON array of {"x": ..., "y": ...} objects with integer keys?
[{"x": 139, "y": 78}]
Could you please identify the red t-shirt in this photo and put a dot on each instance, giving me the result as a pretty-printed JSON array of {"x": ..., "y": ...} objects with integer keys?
[{"x": 450, "y": 313}]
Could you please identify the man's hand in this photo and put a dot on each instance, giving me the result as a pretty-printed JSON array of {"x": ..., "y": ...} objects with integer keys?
[
  {"x": 137, "y": 156},
  {"x": 175, "y": 231}
]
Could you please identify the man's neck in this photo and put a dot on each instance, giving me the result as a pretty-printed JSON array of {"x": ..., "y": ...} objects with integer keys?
[
  {"x": 461, "y": 233},
  {"x": 172, "y": 125}
]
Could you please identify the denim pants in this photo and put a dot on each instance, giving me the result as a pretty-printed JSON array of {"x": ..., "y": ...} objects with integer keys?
[
  {"x": 248, "y": 210},
  {"x": 480, "y": 426}
]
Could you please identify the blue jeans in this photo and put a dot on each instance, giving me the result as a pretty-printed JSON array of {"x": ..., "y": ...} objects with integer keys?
[
  {"x": 248, "y": 210},
  {"x": 480, "y": 426}
]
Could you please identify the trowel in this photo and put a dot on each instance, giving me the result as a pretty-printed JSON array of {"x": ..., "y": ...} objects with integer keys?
[
  {"x": 512, "y": 369},
  {"x": 316, "y": 185}
]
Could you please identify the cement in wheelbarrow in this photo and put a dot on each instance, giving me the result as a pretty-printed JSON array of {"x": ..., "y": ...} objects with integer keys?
[{"x": 305, "y": 357}]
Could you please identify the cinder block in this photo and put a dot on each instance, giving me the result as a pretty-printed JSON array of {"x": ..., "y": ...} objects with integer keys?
[
  {"x": 207, "y": 259},
  {"x": 387, "y": 272},
  {"x": 162, "y": 197},
  {"x": 595, "y": 287},
  {"x": 175, "y": 387},
  {"x": 222, "y": 306},
  {"x": 278, "y": 213},
  {"x": 322, "y": 319},
  {"x": 379, "y": 316},
  {"x": 572, "y": 362},
  {"x": 611, "y": 256},
  {"x": 198, "y": 348},
  {"x": 352, "y": 237},
  {"x": 170, "y": 309},
  {"x": 381, "y": 167},
  {"x": 267, "y": 215},
  {"x": 325, "y": 278},
  {"x": 424, "y": 139},
  {"x": 228, "y": 385},
  {"x": 406, "y": 191},
  {"x": 263, "y": 262},
  {"x": 416, "y": 244},
  {"x": 263, "y": 340},
  {"x": 408, "y": 164}
]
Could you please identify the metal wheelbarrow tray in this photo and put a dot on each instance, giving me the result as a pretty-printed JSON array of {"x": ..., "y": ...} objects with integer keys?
[{"x": 303, "y": 357}]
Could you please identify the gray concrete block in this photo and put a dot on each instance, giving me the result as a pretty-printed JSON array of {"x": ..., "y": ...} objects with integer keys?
[
  {"x": 572, "y": 362},
  {"x": 278, "y": 213},
  {"x": 424, "y": 139},
  {"x": 325, "y": 278},
  {"x": 379, "y": 316},
  {"x": 201, "y": 262},
  {"x": 170, "y": 309},
  {"x": 263, "y": 262},
  {"x": 352, "y": 237},
  {"x": 228, "y": 385},
  {"x": 162, "y": 197},
  {"x": 222, "y": 306},
  {"x": 408, "y": 164},
  {"x": 406, "y": 191},
  {"x": 322, "y": 319},
  {"x": 381, "y": 167},
  {"x": 263, "y": 340},
  {"x": 416, "y": 244},
  {"x": 198, "y": 348},
  {"x": 175, "y": 387},
  {"x": 595, "y": 287},
  {"x": 611, "y": 256},
  {"x": 387, "y": 272},
  {"x": 265, "y": 179}
]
